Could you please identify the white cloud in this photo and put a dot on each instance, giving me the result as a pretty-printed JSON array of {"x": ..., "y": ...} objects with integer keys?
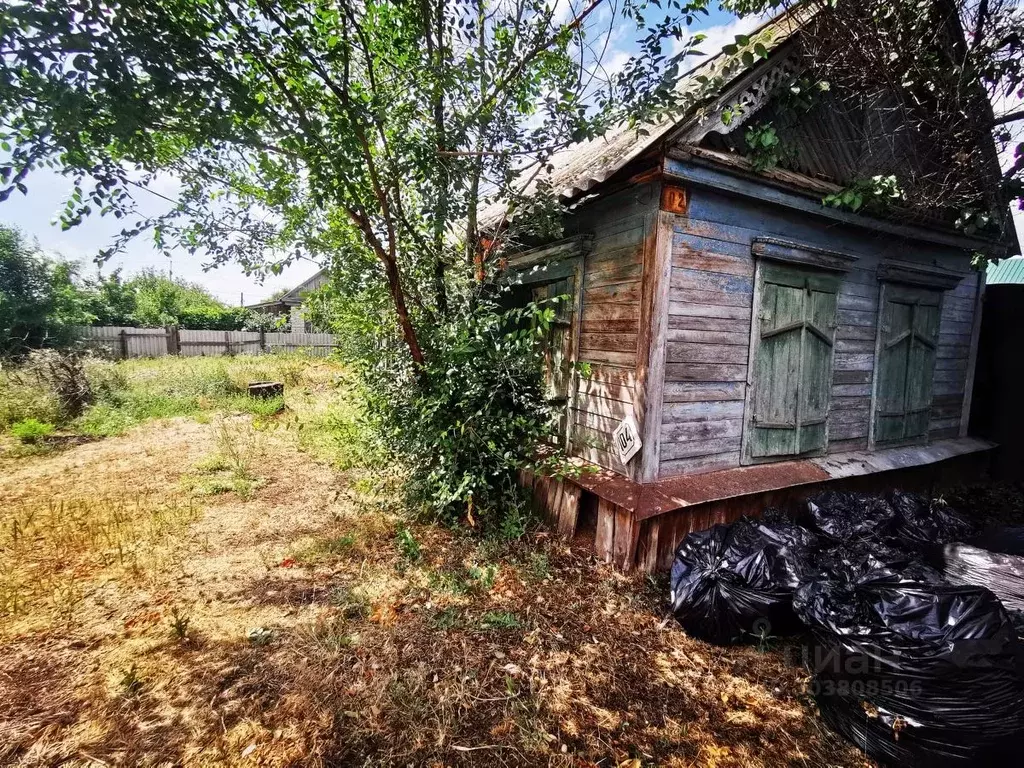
[{"x": 717, "y": 36}]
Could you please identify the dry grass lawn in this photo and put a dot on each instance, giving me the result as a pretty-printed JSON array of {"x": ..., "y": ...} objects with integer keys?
[{"x": 288, "y": 614}]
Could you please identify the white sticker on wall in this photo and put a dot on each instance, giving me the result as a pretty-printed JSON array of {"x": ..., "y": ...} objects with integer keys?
[{"x": 627, "y": 440}]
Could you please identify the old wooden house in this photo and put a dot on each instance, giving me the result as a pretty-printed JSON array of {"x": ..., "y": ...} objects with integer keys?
[{"x": 752, "y": 342}]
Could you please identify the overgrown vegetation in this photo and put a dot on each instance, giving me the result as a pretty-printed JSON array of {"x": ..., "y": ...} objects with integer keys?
[
  {"x": 42, "y": 299},
  {"x": 39, "y": 302}
]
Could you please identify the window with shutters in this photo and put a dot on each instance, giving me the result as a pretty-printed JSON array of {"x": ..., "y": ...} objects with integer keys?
[
  {"x": 551, "y": 272},
  {"x": 908, "y": 332},
  {"x": 791, "y": 362}
]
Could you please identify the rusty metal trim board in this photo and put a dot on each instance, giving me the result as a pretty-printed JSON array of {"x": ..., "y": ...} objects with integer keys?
[
  {"x": 856, "y": 463},
  {"x": 647, "y": 500}
]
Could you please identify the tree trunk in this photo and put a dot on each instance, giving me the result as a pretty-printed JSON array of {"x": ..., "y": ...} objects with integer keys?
[{"x": 402, "y": 310}]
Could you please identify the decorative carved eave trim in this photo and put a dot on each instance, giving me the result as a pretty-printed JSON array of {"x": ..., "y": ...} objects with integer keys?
[
  {"x": 744, "y": 100},
  {"x": 927, "y": 275},
  {"x": 789, "y": 252},
  {"x": 579, "y": 245}
]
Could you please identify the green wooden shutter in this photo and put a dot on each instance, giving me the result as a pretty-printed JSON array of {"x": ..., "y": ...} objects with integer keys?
[
  {"x": 906, "y": 363},
  {"x": 795, "y": 332}
]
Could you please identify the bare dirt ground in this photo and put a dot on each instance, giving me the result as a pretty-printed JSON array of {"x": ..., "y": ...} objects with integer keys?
[{"x": 297, "y": 621}]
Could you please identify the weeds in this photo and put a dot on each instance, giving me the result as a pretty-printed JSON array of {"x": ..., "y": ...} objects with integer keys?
[
  {"x": 538, "y": 566},
  {"x": 408, "y": 546},
  {"x": 130, "y": 684},
  {"x": 483, "y": 578},
  {"x": 230, "y": 469},
  {"x": 31, "y": 430},
  {"x": 327, "y": 547},
  {"x": 49, "y": 549},
  {"x": 499, "y": 620},
  {"x": 260, "y": 636},
  {"x": 447, "y": 618},
  {"x": 179, "y": 624},
  {"x": 349, "y": 604}
]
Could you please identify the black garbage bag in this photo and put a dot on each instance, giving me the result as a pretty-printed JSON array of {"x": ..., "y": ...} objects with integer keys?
[
  {"x": 847, "y": 517},
  {"x": 964, "y": 564},
  {"x": 921, "y": 522},
  {"x": 862, "y": 561},
  {"x": 916, "y": 674},
  {"x": 734, "y": 583}
]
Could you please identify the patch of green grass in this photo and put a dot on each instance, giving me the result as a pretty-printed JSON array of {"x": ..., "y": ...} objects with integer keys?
[
  {"x": 337, "y": 435},
  {"x": 494, "y": 620},
  {"x": 257, "y": 406},
  {"x": 483, "y": 577},
  {"x": 31, "y": 430},
  {"x": 538, "y": 566},
  {"x": 448, "y": 618},
  {"x": 447, "y": 582},
  {"x": 228, "y": 470},
  {"x": 119, "y": 413}
]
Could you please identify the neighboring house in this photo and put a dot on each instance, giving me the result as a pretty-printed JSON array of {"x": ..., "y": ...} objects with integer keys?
[
  {"x": 1006, "y": 272},
  {"x": 757, "y": 343},
  {"x": 290, "y": 303}
]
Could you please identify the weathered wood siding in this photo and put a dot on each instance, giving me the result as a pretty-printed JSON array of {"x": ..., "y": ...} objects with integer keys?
[
  {"x": 610, "y": 328},
  {"x": 710, "y": 315}
]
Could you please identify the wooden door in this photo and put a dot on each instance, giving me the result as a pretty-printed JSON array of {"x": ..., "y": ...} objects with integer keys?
[{"x": 791, "y": 374}]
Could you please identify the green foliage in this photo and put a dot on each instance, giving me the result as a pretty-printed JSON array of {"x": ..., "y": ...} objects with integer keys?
[
  {"x": 131, "y": 683},
  {"x": 538, "y": 566},
  {"x": 179, "y": 624},
  {"x": 31, "y": 430},
  {"x": 448, "y": 618},
  {"x": 39, "y": 303},
  {"x": 497, "y": 620},
  {"x": 408, "y": 546},
  {"x": 764, "y": 147},
  {"x": 878, "y": 193},
  {"x": 466, "y": 423},
  {"x": 151, "y": 300}
]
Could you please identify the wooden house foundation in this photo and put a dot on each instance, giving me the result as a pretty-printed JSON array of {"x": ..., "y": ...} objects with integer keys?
[{"x": 638, "y": 526}]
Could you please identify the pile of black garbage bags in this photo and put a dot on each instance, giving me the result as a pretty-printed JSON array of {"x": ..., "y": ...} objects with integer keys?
[{"x": 913, "y": 619}]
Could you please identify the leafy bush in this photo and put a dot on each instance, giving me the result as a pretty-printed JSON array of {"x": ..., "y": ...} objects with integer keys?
[
  {"x": 39, "y": 302},
  {"x": 151, "y": 299},
  {"x": 472, "y": 418},
  {"x": 31, "y": 430}
]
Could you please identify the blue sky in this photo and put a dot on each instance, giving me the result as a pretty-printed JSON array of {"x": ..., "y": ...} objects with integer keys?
[{"x": 34, "y": 212}]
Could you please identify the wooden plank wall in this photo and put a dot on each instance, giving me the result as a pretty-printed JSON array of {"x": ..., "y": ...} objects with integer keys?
[
  {"x": 610, "y": 323},
  {"x": 710, "y": 315}
]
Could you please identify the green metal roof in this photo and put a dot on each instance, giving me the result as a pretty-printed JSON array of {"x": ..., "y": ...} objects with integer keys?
[{"x": 1006, "y": 271}]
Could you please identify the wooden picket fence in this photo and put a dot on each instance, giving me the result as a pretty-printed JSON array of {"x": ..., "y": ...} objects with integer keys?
[{"x": 123, "y": 342}]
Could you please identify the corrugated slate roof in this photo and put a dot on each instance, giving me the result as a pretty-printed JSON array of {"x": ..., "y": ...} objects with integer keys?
[{"x": 1006, "y": 271}]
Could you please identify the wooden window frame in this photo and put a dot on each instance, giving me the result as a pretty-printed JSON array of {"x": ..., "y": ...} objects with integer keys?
[
  {"x": 895, "y": 277},
  {"x": 531, "y": 272},
  {"x": 773, "y": 251}
]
